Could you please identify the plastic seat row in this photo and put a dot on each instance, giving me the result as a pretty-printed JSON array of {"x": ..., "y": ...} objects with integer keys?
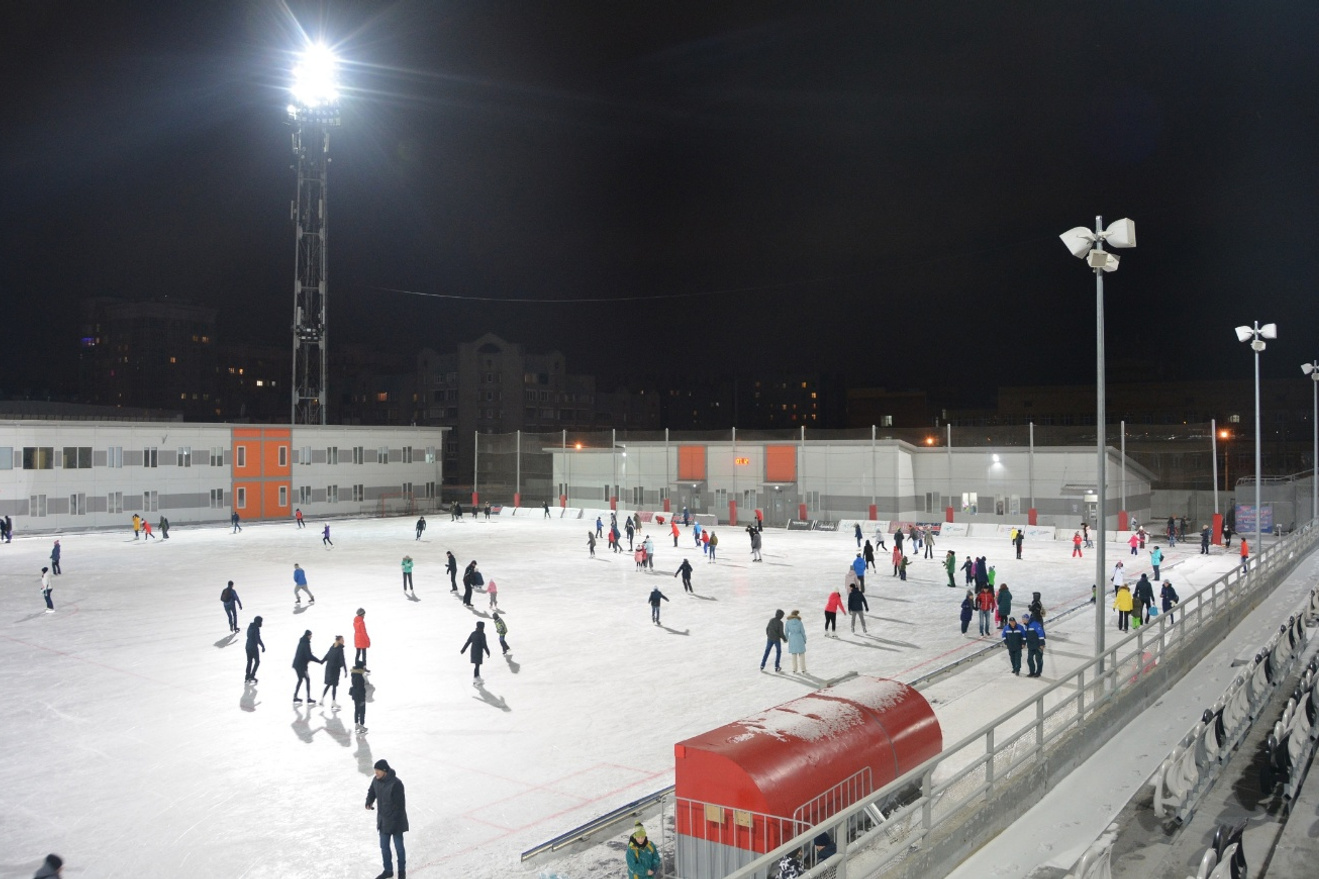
[
  {"x": 1291, "y": 744},
  {"x": 1193, "y": 766},
  {"x": 1226, "y": 858}
]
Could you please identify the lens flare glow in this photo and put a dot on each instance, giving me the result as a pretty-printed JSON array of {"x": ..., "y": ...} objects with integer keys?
[{"x": 315, "y": 77}]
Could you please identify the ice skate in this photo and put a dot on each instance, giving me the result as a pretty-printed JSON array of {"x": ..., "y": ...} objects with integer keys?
[
  {"x": 50, "y": 610},
  {"x": 297, "y": 701},
  {"x": 334, "y": 705}
]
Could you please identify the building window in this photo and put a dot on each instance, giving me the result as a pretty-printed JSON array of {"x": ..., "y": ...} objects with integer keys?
[
  {"x": 284, "y": 458},
  {"x": 430, "y": 454},
  {"x": 359, "y": 456},
  {"x": 407, "y": 454},
  {"x": 36, "y": 506},
  {"x": 240, "y": 456},
  {"x": 305, "y": 456},
  {"x": 332, "y": 494},
  {"x": 114, "y": 457},
  {"x": 886, "y": 421},
  {"x": 6, "y": 457},
  {"x": 304, "y": 494},
  {"x": 240, "y": 496},
  {"x": 78, "y": 504},
  {"x": 114, "y": 502},
  {"x": 150, "y": 457},
  {"x": 149, "y": 501},
  {"x": 359, "y": 494},
  {"x": 283, "y": 494},
  {"x": 407, "y": 489},
  {"x": 38, "y": 457},
  {"x": 77, "y": 457},
  {"x": 332, "y": 455},
  {"x": 185, "y": 456},
  {"x": 217, "y": 498},
  {"x": 382, "y": 455}
]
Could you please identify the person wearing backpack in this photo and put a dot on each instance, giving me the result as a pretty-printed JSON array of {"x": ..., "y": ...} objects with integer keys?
[{"x": 229, "y": 598}]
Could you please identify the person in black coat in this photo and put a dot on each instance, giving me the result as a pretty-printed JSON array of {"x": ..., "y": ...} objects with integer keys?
[
  {"x": 1144, "y": 596},
  {"x": 357, "y": 690},
  {"x": 452, "y": 567},
  {"x": 301, "y": 658},
  {"x": 469, "y": 581},
  {"x": 253, "y": 642},
  {"x": 857, "y": 606},
  {"x": 335, "y": 667},
  {"x": 391, "y": 818},
  {"x": 968, "y": 610},
  {"x": 686, "y": 570},
  {"x": 869, "y": 555},
  {"x": 228, "y": 598},
  {"x": 1014, "y": 636},
  {"x": 824, "y": 848},
  {"x": 480, "y": 651}
]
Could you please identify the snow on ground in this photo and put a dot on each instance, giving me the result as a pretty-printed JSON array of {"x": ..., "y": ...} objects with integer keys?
[{"x": 133, "y": 747}]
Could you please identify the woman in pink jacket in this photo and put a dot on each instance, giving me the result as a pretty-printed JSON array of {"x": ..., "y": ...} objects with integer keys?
[{"x": 831, "y": 609}]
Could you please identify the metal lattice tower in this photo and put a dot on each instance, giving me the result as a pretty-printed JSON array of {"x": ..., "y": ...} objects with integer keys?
[{"x": 311, "y": 146}]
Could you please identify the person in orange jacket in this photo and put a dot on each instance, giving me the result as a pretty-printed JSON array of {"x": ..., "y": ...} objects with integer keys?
[
  {"x": 361, "y": 640},
  {"x": 673, "y": 529},
  {"x": 1245, "y": 556}
]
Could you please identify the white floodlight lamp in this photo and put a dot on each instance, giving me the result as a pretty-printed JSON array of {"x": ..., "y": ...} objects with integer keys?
[
  {"x": 1308, "y": 369},
  {"x": 1079, "y": 241},
  {"x": 315, "y": 77},
  {"x": 1244, "y": 333},
  {"x": 1121, "y": 233},
  {"x": 1102, "y": 259},
  {"x": 1269, "y": 331}
]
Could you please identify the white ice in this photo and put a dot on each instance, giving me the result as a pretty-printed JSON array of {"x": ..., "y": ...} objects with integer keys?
[{"x": 133, "y": 749}]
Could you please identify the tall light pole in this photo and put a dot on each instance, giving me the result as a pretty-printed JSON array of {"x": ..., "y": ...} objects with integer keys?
[
  {"x": 1256, "y": 335},
  {"x": 1090, "y": 246},
  {"x": 314, "y": 111},
  {"x": 1312, "y": 370}
]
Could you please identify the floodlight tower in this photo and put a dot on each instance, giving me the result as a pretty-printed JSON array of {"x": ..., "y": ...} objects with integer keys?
[{"x": 314, "y": 111}]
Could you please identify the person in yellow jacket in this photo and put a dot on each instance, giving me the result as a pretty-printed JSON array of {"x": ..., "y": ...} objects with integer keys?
[
  {"x": 137, "y": 526},
  {"x": 1123, "y": 603}
]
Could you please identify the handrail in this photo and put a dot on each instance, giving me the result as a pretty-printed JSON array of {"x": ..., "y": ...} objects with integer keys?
[
  {"x": 1196, "y": 611},
  {"x": 600, "y": 823}
]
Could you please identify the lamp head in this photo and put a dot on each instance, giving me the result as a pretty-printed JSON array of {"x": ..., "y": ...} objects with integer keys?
[
  {"x": 1309, "y": 369},
  {"x": 1244, "y": 333},
  {"x": 1269, "y": 331},
  {"x": 1102, "y": 260},
  {"x": 1121, "y": 233},
  {"x": 1079, "y": 241},
  {"x": 1258, "y": 345},
  {"x": 316, "y": 77}
]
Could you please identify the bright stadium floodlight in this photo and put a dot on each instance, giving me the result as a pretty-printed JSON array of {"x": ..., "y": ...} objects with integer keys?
[
  {"x": 1089, "y": 246},
  {"x": 316, "y": 77}
]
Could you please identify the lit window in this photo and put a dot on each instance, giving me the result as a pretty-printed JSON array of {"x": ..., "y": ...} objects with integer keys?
[
  {"x": 260, "y": 383},
  {"x": 382, "y": 397},
  {"x": 173, "y": 360}
]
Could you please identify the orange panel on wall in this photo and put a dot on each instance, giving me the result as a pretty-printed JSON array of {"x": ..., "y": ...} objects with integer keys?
[
  {"x": 780, "y": 463},
  {"x": 691, "y": 463}
]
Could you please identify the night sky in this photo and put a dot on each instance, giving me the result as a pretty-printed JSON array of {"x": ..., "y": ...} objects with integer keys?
[{"x": 873, "y": 188}]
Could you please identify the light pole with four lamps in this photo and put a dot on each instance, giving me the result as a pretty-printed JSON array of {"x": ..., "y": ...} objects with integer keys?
[{"x": 1256, "y": 336}]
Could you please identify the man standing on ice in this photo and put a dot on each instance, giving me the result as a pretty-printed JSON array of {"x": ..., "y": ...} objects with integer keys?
[
  {"x": 233, "y": 520},
  {"x": 774, "y": 638},
  {"x": 229, "y": 597},
  {"x": 301, "y": 658},
  {"x": 55, "y": 558},
  {"x": 686, "y": 570},
  {"x": 300, "y": 585},
  {"x": 45, "y": 589},
  {"x": 253, "y": 642},
  {"x": 392, "y": 817},
  {"x": 451, "y": 565},
  {"x": 655, "y": 598},
  {"x": 421, "y": 526}
]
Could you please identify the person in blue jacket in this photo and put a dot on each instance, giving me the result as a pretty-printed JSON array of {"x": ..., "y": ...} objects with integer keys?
[
  {"x": 795, "y": 629},
  {"x": 228, "y": 597},
  {"x": 655, "y": 598},
  {"x": 824, "y": 848},
  {"x": 1034, "y": 646},
  {"x": 1156, "y": 559},
  {"x": 859, "y": 565},
  {"x": 1014, "y": 638},
  {"x": 253, "y": 642},
  {"x": 300, "y": 584}
]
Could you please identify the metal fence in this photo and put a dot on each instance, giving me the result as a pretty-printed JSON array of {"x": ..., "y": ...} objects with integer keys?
[{"x": 979, "y": 785}]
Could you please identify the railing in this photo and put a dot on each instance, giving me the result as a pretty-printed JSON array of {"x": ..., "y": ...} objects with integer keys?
[
  {"x": 1069, "y": 720},
  {"x": 606, "y": 823}
]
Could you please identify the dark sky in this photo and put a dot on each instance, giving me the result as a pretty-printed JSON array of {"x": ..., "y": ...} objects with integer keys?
[{"x": 870, "y": 187}]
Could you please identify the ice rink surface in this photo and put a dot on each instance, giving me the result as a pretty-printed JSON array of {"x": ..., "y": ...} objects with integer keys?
[{"x": 133, "y": 748}]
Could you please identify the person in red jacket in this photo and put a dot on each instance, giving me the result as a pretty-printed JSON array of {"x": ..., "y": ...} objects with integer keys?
[
  {"x": 986, "y": 603},
  {"x": 361, "y": 640},
  {"x": 1245, "y": 556},
  {"x": 831, "y": 609},
  {"x": 1076, "y": 545}
]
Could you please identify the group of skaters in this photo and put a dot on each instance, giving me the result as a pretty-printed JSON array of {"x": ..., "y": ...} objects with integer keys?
[
  {"x": 1135, "y": 605},
  {"x": 142, "y": 528}
]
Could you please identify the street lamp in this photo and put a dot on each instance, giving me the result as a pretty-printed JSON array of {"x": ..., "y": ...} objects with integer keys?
[
  {"x": 1312, "y": 370},
  {"x": 1089, "y": 246},
  {"x": 1256, "y": 336}
]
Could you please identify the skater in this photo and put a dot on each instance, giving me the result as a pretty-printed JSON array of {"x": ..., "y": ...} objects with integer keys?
[
  {"x": 950, "y": 566},
  {"x": 968, "y": 610},
  {"x": 705, "y": 543},
  {"x": 795, "y": 630},
  {"x": 361, "y": 640},
  {"x": 1034, "y": 646},
  {"x": 1014, "y": 637},
  {"x": 297, "y": 517},
  {"x": 1021, "y": 535},
  {"x": 590, "y": 542},
  {"x": 929, "y": 544},
  {"x": 831, "y": 609},
  {"x": 599, "y": 527},
  {"x": 233, "y": 520},
  {"x": 458, "y": 511},
  {"x": 1076, "y": 546},
  {"x": 253, "y": 642},
  {"x": 696, "y": 534},
  {"x": 714, "y": 544},
  {"x": 301, "y": 658},
  {"x": 897, "y": 554},
  {"x": 164, "y": 528},
  {"x": 774, "y": 638},
  {"x": 755, "y": 545},
  {"x": 45, "y": 590},
  {"x": 1134, "y": 543},
  {"x": 969, "y": 568},
  {"x": 1119, "y": 576},
  {"x": 1143, "y": 535},
  {"x": 471, "y": 578},
  {"x": 1245, "y": 556},
  {"x": 643, "y": 860},
  {"x": 631, "y": 533},
  {"x": 391, "y": 818},
  {"x": 421, "y": 527},
  {"x": 685, "y": 569},
  {"x": 1204, "y": 540},
  {"x": 335, "y": 667},
  {"x": 650, "y": 551},
  {"x": 55, "y": 559},
  {"x": 640, "y": 558},
  {"x": 868, "y": 553},
  {"x": 1123, "y": 604},
  {"x": 673, "y": 529},
  {"x": 137, "y": 525},
  {"x": 451, "y": 565},
  {"x": 902, "y": 569},
  {"x": 1143, "y": 598},
  {"x": 300, "y": 585},
  {"x": 1036, "y": 607},
  {"x": 487, "y": 511},
  {"x": 859, "y": 568},
  {"x": 857, "y": 607},
  {"x": 325, "y": 537},
  {"x": 357, "y": 690},
  {"x": 407, "y": 575},
  {"x": 146, "y": 530},
  {"x": 229, "y": 598},
  {"x": 655, "y": 597},
  {"x": 985, "y": 603},
  {"x": 1085, "y": 535},
  {"x": 547, "y": 510},
  {"x": 857, "y": 529},
  {"x": 480, "y": 651},
  {"x": 492, "y": 591},
  {"x": 1170, "y": 598},
  {"x": 501, "y": 629},
  {"x": 1004, "y": 605}
]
